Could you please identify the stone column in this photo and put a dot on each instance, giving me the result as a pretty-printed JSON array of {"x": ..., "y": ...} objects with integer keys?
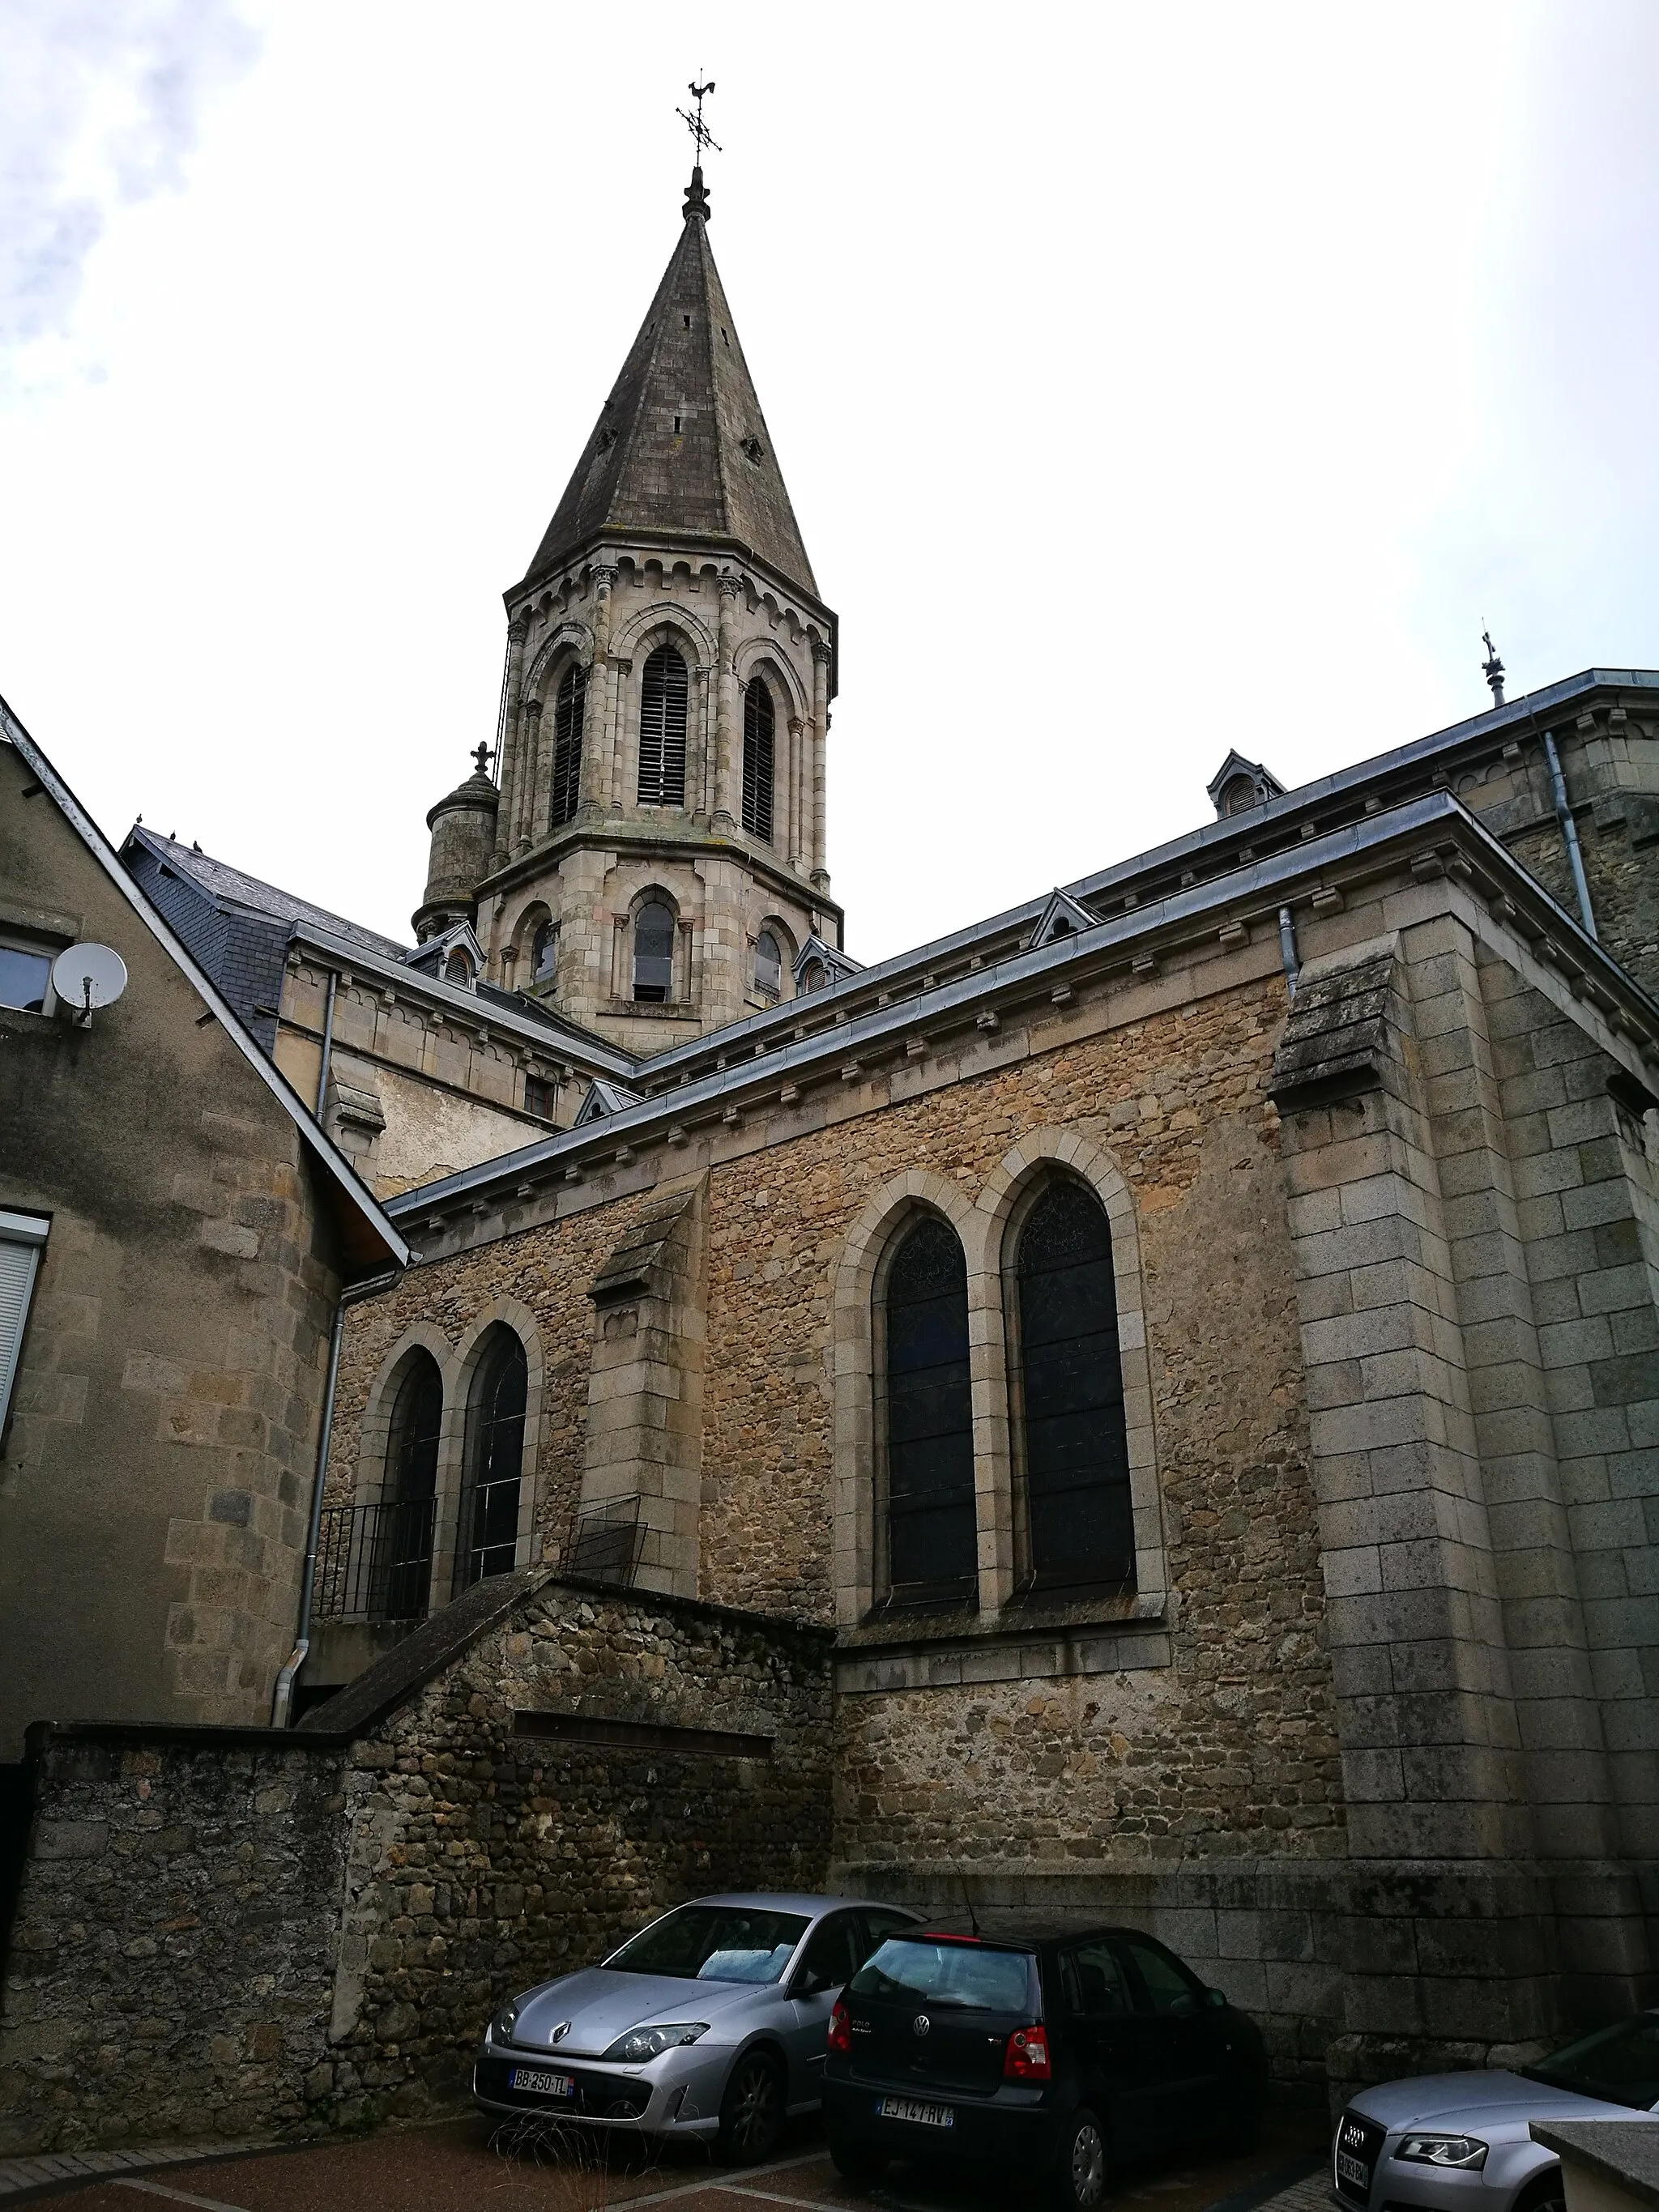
[
  {"x": 534, "y": 810},
  {"x": 599, "y": 734},
  {"x": 820, "y": 732},
  {"x": 791, "y": 792},
  {"x": 729, "y": 771},
  {"x": 517, "y": 630}
]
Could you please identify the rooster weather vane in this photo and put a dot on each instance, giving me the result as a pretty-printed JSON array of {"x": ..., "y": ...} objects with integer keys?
[{"x": 700, "y": 131}]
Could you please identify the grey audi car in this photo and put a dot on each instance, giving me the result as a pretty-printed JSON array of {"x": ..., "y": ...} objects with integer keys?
[
  {"x": 1462, "y": 2142},
  {"x": 712, "y": 2021}
]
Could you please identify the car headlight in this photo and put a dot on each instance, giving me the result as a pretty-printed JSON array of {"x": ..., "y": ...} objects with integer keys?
[
  {"x": 501, "y": 2028},
  {"x": 642, "y": 2043},
  {"x": 1467, "y": 2152}
]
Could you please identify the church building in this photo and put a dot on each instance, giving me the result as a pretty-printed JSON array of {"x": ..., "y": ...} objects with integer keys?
[{"x": 1186, "y": 1346}]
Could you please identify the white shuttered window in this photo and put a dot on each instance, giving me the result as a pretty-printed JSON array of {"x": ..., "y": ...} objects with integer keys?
[{"x": 21, "y": 1236}]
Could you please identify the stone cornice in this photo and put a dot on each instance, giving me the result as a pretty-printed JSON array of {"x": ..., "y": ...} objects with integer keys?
[
  {"x": 628, "y": 836},
  {"x": 1426, "y": 839}
]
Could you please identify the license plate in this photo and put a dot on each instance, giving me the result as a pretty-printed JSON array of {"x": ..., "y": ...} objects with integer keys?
[
  {"x": 906, "y": 2108},
  {"x": 1354, "y": 2170},
  {"x": 541, "y": 2083}
]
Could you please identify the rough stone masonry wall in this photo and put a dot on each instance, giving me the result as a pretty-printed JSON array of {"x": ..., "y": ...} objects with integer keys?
[{"x": 222, "y": 1936}]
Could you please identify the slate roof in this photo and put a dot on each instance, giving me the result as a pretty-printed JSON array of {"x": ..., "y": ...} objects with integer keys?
[
  {"x": 221, "y": 881},
  {"x": 717, "y": 479}
]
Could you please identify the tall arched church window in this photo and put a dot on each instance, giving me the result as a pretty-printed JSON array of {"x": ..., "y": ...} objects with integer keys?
[
  {"x": 931, "y": 1544},
  {"x": 487, "y": 1532},
  {"x": 654, "y": 952},
  {"x": 544, "y": 953},
  {"x": 569, "y": 705},
  {"x": 662, "y": 692},
  {"x": 400, "y": 1549},
  {"x": 768, "y": 966},
  {"x": 759, "y": 736},
  {"x": 1077, "y": 1527}
]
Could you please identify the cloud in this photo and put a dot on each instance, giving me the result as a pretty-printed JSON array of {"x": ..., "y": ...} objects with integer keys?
[{"x": 100, "y": 101}]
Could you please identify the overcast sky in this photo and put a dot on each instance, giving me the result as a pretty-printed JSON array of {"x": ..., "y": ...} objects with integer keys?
[{"x": 1148, "y": 380}]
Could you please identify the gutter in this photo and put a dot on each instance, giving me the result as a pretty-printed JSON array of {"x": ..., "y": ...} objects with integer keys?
[
  {"x": 281, "y": 1704},
  {"x": 1569, "y": 830},
  {"x": 328, "y": 1042}
]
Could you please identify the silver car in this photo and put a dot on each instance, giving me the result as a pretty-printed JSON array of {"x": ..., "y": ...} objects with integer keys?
[
  {"x": 1461, "y": 2142},
  {"x": 711, "y": 2022}
]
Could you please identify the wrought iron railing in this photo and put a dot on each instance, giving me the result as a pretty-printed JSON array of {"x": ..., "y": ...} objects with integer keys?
[
  {"x": 610, "y": 1540},
  {"x": 374, "y": 1562}
]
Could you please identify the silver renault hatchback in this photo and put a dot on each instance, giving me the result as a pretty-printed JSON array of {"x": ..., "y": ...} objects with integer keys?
[{"x": 711, "y": 2022}]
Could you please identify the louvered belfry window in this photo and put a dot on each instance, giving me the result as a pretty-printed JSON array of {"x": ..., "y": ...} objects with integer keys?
[
  {"x": 487, "y": 1535},
  {"x": 568, "y": 712},
  {"x": 931, "y": 1545},
  {"x": 759, "y": 736},
  {"x": 1071, "y": 1440},
  {"x": 663, "y": 693}
]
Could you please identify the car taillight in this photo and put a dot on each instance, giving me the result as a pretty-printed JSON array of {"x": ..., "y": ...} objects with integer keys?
[
  {"x": 841, "y": 2028},
  {"x": 1027, "y": 2057}
]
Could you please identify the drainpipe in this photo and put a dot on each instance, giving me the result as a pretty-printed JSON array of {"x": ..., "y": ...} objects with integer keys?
[
  {"x": 281, "y": 1704},
  {"x": 1287, "y": 952},
  {"x": 1569, "y": 831},
  {"x": 328, "y": 1042}
]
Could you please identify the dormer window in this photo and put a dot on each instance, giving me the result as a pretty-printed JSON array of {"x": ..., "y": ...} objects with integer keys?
[
  {"x": 457, "y": 969},
  {"x": 812, "y": 977}
]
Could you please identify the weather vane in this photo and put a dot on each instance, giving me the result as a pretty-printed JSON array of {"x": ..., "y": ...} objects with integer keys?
[
  {"x": 1492, "y": 668},
  {"x": 695, "y": 123}
]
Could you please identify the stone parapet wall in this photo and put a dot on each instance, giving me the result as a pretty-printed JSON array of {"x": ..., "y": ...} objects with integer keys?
[{"x": 223, "y": 1933}]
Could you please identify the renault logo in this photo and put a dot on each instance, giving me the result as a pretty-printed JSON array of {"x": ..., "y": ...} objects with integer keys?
[
  {"x": 921, "y": 2024},
  {"x": 560, "y": 2031}
]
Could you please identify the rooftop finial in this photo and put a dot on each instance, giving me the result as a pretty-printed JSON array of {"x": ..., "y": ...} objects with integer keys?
[
  {"x": 484, "y": 756},
  {"x": 697, "y": 199},
  {"x": 1492, "y": 668}
]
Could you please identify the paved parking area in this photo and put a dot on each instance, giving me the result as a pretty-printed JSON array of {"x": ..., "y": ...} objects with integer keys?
[{"x": 459, "y": 2166}]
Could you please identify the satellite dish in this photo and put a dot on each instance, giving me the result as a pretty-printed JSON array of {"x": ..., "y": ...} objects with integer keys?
[{"x": 88, "y": 977}]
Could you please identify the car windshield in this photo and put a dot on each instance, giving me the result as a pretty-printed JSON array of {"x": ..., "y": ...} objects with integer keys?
[
  {"x": 1620, "y": 2064},
  {"x": 714, "y": 1943},
  {"x": 970, "y": 1975}
]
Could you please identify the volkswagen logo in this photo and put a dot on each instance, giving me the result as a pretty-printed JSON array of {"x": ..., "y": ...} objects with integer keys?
[
  {"x": 560, "y": 2031},
  {"x": 923, "y": 2025}
]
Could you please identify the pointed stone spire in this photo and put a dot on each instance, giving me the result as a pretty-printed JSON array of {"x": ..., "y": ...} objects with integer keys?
[{"x": 681, "y": 448}]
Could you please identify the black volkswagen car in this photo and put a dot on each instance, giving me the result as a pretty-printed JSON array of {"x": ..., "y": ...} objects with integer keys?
[{"x": 1057, "y": 2054}]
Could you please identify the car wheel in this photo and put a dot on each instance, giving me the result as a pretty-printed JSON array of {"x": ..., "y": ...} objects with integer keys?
[
  {"x": 1080, "y": 2164},
  {"x": 1545, "y": 2193},
  {"x": 853, "y": 2161},
  {"x": 751, "y": 2111}
]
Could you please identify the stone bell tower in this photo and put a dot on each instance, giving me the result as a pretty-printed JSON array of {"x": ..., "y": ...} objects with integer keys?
[{"x": 658, "y": 860}]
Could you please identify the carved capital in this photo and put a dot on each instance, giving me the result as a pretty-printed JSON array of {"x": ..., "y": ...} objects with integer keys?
[
  {"x": 533, "y": 709},
  {"x": 730, "y": 586},
  {"x": 820, "y": 650},
  {"x": 605, "y": 574},
  {"x": 519, "y": 626}
]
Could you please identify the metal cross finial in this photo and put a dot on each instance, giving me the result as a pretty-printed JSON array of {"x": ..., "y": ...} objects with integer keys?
[
  {"x": 1492, "y": 668},
  {"x": 695, "y": 123},
  {"x": 484, "y": 756}
]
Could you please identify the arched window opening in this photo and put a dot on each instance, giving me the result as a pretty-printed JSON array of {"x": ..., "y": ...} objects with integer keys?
[
  {"x": 768, "y": 966},
  {"x": 654, "y": 952},
  {"x": 931, "y": 1544},
  {"x": 568, "y": 710},
  {"x": 759, "y": 737},
  {"x": 487, "y": 1532},
  {"x": 1239, "y": 795},
  {"x": 812, "y": 977},
  {"x": 663, "y": 693},
  {"x": 545, "y": 953},
  {"x": 400, "y": 1548},
  {"x": 1077, "y": 1528},
  {"x": 457, "y": 969}
]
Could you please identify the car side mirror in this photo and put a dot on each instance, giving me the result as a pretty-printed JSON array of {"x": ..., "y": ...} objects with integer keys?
[
  {"x": 807, "y": 1984},
  {"x": 1216, "y": 1997}
]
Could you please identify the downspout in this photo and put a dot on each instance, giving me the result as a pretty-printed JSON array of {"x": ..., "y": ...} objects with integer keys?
[
  {"x": 328, "y": 1041},
  {"x": 1569, "y": 830},
  {"x": 1287, "y": 952},
  {"x": 282, "y": 1702}
]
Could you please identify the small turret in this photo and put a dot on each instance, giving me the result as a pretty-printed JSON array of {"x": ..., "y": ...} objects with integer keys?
[{"x": 463, "y": 827}]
